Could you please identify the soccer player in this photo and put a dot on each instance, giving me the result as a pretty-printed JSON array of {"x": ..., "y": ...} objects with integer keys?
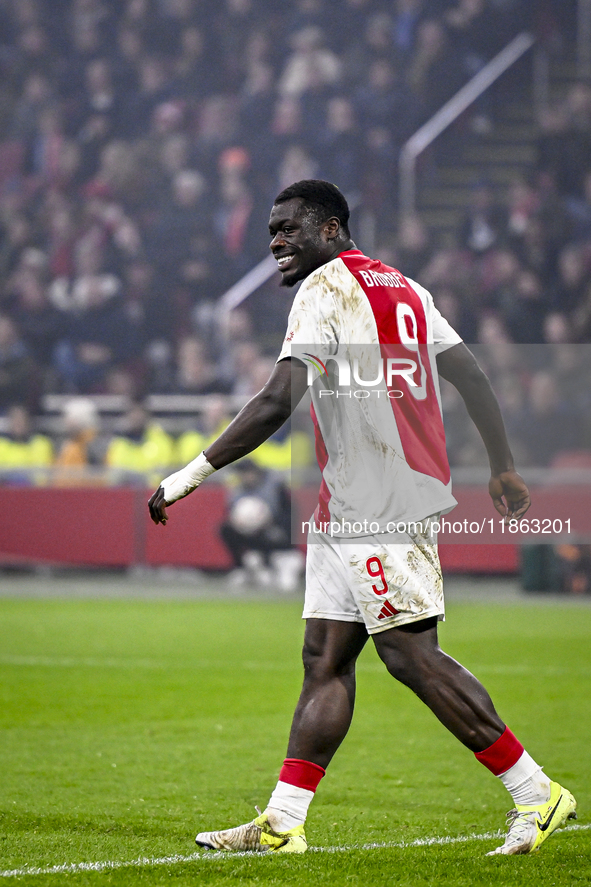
[{"x": 372, "y": 566}]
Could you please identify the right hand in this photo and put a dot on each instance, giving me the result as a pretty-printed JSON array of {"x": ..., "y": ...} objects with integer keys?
[{"x": 157, "y": 505}]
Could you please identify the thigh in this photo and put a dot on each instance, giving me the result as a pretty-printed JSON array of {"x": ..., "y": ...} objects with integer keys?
[{"x": 394, "y": 584}]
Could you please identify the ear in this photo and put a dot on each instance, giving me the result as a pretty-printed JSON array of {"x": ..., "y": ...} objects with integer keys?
[{"x": 331, "y": 228}]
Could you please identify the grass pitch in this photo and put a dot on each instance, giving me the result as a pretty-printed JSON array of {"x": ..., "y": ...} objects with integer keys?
[{"x": 129, "y": 725}]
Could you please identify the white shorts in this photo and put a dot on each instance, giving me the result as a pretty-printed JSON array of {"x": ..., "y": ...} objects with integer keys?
[{"x": 381, "y": 584}]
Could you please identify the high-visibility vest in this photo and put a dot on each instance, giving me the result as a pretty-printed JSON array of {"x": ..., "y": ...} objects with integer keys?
[
  {"x": 36, "y": 452},
  {"x": 156, "y": 450}
]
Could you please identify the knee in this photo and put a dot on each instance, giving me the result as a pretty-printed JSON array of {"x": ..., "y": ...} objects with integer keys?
[
  {"x": 320, "y": 666},
  {"x": 399, "y": 667},
  {"x": 317, "y": 665},
  {"x": 413, "y": 670}
]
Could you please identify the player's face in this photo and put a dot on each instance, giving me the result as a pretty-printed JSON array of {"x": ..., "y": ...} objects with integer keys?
[{"x": 299, "y": 242}]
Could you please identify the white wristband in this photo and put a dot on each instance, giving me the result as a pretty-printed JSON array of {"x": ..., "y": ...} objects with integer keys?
[{"x": 183, "y": 482}]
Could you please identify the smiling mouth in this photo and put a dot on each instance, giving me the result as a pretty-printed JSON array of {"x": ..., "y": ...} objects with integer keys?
[{"x": 284, "y": 261}]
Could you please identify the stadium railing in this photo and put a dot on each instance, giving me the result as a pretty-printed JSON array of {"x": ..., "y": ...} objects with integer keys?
[{"x": 450, "y": 112}]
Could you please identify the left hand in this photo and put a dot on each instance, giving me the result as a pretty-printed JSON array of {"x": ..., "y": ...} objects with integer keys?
[
  {"x": 157, "y": 505},
  {"x": 510, "y": 494}
]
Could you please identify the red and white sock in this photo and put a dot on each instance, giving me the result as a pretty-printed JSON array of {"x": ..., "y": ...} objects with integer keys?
[
  {"x": 288, "y": 805},
  {"x": 522, "y": 777}
]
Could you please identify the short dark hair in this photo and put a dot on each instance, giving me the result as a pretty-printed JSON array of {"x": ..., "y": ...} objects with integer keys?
[{"x": 322, "y": 197}]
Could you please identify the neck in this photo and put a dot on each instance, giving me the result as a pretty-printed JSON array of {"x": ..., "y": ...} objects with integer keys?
[{"x": 342, "y": 246}]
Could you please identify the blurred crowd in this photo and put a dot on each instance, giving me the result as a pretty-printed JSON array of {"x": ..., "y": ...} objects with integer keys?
[
  {"x": 134, "y": 449},
  {"x": 143, "y": 141}
]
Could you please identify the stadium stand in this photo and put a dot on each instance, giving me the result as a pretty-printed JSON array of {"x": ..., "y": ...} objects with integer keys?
[{"x": 142, "y": 143}]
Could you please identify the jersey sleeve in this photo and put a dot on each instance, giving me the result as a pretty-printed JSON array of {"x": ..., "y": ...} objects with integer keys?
[
  {"x": 441, "y": 333},
  {"x": 313, "y": 324}
]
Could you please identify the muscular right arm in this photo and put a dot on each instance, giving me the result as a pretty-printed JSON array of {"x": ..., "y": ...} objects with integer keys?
[
  {"x": 262, "y": 415},
  {"x": 254, "y": 424}
]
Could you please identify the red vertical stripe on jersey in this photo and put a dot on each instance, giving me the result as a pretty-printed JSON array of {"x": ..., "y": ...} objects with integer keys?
[
  {"x": 322, "y": 513},
  {"x": 419, "y": 422}
]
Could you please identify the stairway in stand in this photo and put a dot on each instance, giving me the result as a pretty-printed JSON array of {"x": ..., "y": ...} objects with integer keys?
[{"x": 493, "y": 143}]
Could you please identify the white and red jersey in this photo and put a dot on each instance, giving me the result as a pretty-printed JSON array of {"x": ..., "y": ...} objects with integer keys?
[{"x": 370, "y": 337}]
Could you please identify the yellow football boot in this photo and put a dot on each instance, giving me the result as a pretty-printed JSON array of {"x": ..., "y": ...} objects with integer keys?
[
  {"x": 256, "y": 835},
  {"x": 530, "y": 826}
]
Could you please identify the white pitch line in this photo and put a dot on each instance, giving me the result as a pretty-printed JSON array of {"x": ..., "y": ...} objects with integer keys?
[
  {"x": 78, "y": 662},
  {"x": 207, "y": 855},
  {"x": 252, "y": 665}
]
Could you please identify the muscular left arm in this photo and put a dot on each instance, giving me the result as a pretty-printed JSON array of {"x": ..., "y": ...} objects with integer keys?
[{"x": 506, "y": 487}]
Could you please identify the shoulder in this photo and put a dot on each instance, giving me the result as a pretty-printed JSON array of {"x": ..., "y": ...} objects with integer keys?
[
  {"x": 331, "y": 272},
  {"x": 443, "y": 334},
  {"x": 329, "y": 283},
  {"x": 423, "y": 294},
  {"x": 319, "y": 289}
]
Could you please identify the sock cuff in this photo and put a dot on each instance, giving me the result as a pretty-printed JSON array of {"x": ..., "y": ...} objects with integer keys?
[
  {"x": 303, "y": 774},
  {"x": 502, "y": 754}
]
